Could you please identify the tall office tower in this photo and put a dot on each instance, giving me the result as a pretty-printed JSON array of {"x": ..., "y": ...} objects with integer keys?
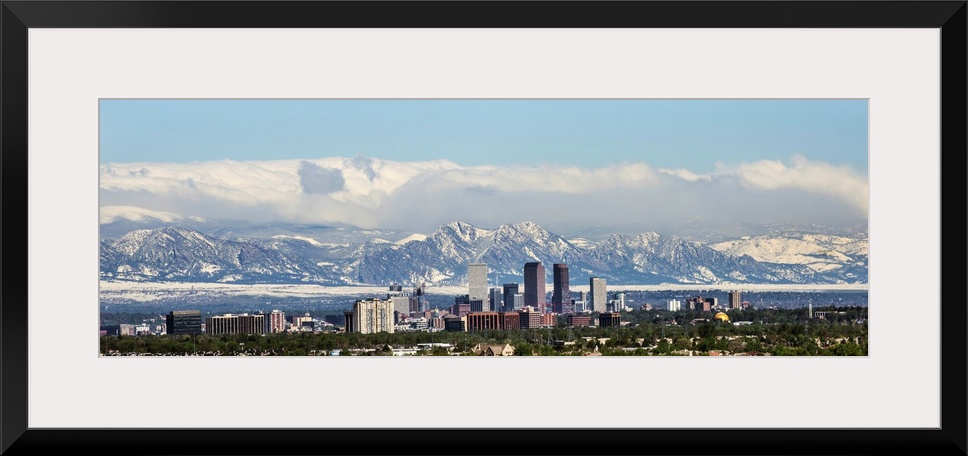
[
  {"x": 534, "y": 286},
  {"x": 477, "y": 282},
  {"x": 561, "y": 294},
  {"x": 371, "y": 316},
  {"x": 510, "y": 289},
  {"x": 734, "y": 300},
  {"x": 495, "y": 297},
  {"x": 598, "y": 295},
  {"x": 277, "y": 321}
]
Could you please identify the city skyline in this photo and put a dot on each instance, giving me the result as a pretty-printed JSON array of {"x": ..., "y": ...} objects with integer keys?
[{"x": 374, "y": 163}]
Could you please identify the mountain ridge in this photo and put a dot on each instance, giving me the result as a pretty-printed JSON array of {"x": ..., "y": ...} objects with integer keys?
[{"x": 173, "y": 253}]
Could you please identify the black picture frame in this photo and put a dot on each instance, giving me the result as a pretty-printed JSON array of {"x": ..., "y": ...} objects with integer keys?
[{"x": 18, "y": 16}]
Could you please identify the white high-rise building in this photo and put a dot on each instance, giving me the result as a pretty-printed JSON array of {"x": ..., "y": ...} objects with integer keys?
[
  {"x": 599, "y": 299},
  {"x": 674, "y": 305},
  {"x": 477, "y": 283},
  {"x": 372, "y": 316}
]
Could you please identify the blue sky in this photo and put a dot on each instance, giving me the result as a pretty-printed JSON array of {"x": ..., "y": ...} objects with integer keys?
[{"x": 686, "y": 134}]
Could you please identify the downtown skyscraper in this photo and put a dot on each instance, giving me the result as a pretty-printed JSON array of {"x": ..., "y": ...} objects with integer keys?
[
  {"x": 510, "y": 290},
  {"x": 598, "y": 296},
  {"x": 561, "y": 295},
  {"x": 534, "y": 286},
  {"x": 477, "y": 283},
  {"x": 495, "y": 297}
]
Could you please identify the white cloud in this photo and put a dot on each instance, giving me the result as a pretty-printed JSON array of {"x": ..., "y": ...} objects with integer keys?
[
  {"x": 316, "y": 179},
  {"x": 420, "y": 196},
  {"x": 685, "y": 174},
  {"x": 815, "y": 177}
]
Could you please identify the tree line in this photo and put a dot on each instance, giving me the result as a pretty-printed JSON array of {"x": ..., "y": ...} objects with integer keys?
[{"x": 778, "y": 332}]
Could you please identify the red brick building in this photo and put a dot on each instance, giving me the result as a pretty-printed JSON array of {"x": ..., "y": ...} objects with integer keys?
[
  {"x": 579, "y": 320},
  {"x": 477, "y": 321}
]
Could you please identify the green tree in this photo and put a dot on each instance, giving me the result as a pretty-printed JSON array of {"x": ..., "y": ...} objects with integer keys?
[{"x": 524, "y": 349}]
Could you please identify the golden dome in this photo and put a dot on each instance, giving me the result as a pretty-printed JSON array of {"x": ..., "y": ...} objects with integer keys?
[{"x": 721, "y": 316}]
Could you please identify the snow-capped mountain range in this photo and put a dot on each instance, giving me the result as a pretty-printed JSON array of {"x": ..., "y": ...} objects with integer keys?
[{"x": 158, "y": 246}]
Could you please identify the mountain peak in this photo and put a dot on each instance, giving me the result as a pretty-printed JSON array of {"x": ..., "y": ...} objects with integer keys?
[
  {"x": 464, "y": 230},
  {"x": 460, "y": 225}
]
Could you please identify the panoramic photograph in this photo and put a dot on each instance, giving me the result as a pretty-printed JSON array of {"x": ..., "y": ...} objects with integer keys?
[{"x": 483, "y": 227}]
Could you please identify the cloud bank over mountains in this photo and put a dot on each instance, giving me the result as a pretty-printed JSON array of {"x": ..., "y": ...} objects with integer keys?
[{"x": 420, "y": 196}]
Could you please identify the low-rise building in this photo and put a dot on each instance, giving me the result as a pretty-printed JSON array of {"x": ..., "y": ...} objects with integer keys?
[
  {"x": 184, "y": 322},
  {"x": 529, "y": 317},
  {"x": 549, "y": 319},
  {"x": 236, "y": 324},
  {"x": 478, "y": 321},
  {"x": 609, "y": 319},
  {"x": 455, "y": 324}
]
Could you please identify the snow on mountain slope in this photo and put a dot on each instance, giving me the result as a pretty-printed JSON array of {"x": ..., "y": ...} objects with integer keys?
[
  {"x": 299, "y": 238},
  {"x": 582, "y": 242},
  {"x": 441, "y": 258},
  {"x": 852, "y": 245},
  {"x": 819, "y": 252},
  {"x": 412, "y": 237}
]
